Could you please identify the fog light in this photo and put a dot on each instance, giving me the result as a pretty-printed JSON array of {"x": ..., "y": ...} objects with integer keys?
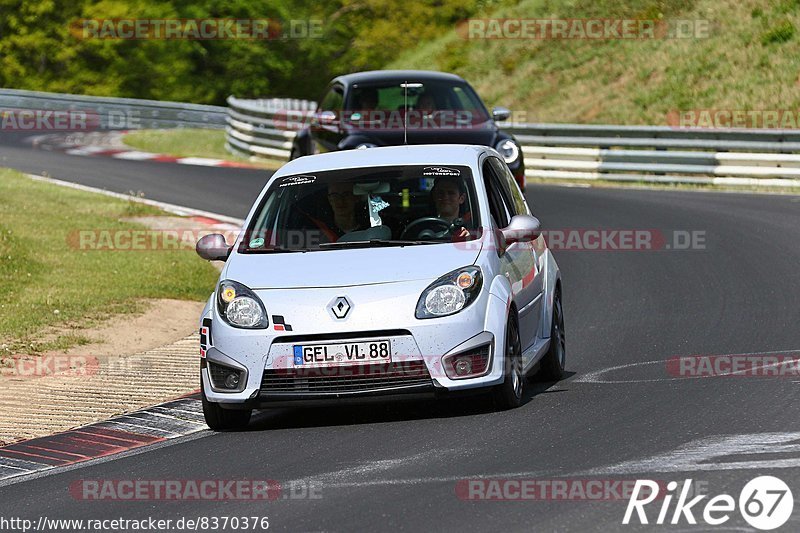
[
  {"x": 225, "y": 378},
  {"x": 463, "y": 366},
  {"x": 232, "y": 380},
  {"x": 469, "y": 364}
]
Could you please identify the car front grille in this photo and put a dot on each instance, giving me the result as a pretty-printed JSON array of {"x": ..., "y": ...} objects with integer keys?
[{"x": 346, "y": 379}]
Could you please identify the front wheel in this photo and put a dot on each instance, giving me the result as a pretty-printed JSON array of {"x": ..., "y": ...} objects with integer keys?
[
  {"x": 508, "y": 395},
  {"x": 219, "y": 419},
  {"x": 552, "y": 368}
]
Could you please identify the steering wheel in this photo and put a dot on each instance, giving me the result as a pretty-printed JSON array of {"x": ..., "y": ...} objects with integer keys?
[{"x": 426, "y": 228}]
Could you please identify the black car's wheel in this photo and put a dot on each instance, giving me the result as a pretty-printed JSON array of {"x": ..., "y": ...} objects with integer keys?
[
  {"x": 552, "y": 366},
  {"x": 509, "y": 394},
  {"x": 220, "y": 419},
  {"x": 294, "y": 154}
]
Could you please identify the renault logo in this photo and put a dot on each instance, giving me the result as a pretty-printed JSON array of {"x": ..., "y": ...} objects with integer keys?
[{"x": 340, "y": 306}]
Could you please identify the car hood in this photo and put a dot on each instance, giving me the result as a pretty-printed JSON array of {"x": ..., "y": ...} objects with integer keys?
[{"x": 350, "y": 267}]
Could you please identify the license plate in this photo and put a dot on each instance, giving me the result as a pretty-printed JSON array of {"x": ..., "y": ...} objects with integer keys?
[{"x": 349, "y": 353}]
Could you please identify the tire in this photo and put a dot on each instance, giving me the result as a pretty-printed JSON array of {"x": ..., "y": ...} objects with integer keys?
[
  {"x": 552, "y": 366},
  {"x": 219, "y": 419},
  {"x": 293, "y": 154},
  {"x": 509, "y": 394}
]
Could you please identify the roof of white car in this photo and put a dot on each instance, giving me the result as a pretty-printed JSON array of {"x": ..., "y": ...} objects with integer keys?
[{"x": 420, "y": 154}]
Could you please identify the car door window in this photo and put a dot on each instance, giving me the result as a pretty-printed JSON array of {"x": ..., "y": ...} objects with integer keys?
[
  {"x": 332, "y": 101},
  {"x": 497, "y": 207},
  {"x": 511, "y": 193}
]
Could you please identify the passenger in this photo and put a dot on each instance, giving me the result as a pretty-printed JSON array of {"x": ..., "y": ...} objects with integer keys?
[
  {"x": 426, "y": 104},
  {"x": 346, "y": 216}
]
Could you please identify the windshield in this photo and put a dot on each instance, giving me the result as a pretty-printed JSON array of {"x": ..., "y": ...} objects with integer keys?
[
  {"x": 430, "y": 104},
  {"x": 365, "y": 207}
]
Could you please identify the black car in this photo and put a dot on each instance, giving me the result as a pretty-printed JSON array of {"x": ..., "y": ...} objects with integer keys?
[{"x": 391, "y": 107}]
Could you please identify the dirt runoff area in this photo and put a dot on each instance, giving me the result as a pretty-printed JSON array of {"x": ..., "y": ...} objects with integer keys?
[{"x": 134, "y": 361}]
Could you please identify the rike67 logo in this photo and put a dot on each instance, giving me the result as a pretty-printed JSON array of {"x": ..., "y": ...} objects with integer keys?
[{"x": 765, "y": 503}]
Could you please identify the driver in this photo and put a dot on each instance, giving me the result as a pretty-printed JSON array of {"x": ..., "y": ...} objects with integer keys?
[
  {"x": 367, "y": 99},
  {"x": 449, "y": 195}
]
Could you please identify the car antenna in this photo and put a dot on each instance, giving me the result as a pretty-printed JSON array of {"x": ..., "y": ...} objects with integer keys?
[
  {"x": 405, "y": 85},
  {"x": 405, "y": 113}
]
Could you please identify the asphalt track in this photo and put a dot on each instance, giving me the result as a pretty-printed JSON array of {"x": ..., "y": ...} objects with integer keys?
[{"x": 619, "y": 416}]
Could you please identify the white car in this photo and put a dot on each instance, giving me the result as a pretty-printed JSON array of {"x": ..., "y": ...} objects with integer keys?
[{"x": 390, "y": 273}]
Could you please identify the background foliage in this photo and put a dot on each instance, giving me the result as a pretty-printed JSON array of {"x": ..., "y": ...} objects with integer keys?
[
  {"x": 38, "y": 51},
  {"x": 750, "y": 60}
]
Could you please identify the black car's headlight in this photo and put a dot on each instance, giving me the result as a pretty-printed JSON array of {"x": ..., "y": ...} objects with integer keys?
[
  {"x": 451, "y": 293},
  {"x": 508, "y": 149},
  {"x": 364, "y": 146},
  {"x": 240, "y": 307}
]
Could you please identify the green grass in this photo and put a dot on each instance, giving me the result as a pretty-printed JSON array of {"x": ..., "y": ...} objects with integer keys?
[
  {"x": 50, "y": 287},
  {"x": 187, "y": 142},
  {"x": 750, "y": 61}
]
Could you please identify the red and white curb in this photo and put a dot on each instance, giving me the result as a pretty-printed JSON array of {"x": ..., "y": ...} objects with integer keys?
[
  {"x": 136, "y": 155},
  {"x": 170, "y": 420},
  {"x": 146, "y": 427},
  {"x": 60, "y": 144}
]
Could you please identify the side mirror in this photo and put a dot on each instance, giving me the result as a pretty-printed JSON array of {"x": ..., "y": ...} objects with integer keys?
[
  {"x": 522, "y": 228},
  {"x": 213, "y": 247},
  {"x": 500, "y": 113},
  {"x": 326, "y": 117}
]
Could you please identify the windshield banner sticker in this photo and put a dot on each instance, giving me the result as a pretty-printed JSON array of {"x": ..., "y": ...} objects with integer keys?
[
  {"x": 440, "y": 171},
  {"x": 297, "y": 180}
]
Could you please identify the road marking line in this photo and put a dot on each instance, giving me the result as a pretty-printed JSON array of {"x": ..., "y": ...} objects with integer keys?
[
  {"x": 594, "y": 377},
  {"x": 134, "y": 155},
  {"x": 170, "y": 208},
  {"x": 699, "y": 455}
]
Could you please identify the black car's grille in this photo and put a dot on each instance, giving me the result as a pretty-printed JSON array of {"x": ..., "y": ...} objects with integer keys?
[{"x": 344, "y": 379}]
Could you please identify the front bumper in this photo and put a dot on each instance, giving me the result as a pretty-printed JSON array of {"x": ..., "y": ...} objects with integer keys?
[{"x": 418, "y": 347}]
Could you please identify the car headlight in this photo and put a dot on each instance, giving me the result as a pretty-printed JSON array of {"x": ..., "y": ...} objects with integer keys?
[
  {"x": 508, "y": 149},
  {"x": 364, "y": 146},
  {"x": 451, "y": 293},
  {"x": 240, "y": 307}
]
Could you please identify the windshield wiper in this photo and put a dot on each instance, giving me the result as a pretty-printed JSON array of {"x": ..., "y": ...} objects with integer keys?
[
  {"x": 374, "y": 242},
  {"x": 276, "y": 249}
]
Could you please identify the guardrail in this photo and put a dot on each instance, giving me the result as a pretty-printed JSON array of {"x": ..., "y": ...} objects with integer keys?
[
  {"x": 119, "y": 113},
  {"x": 660, "y": 154},
  {"x": 265, "y": 128}
]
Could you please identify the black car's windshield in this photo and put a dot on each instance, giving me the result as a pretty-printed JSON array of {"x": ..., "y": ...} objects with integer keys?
[
  {"x": 365, "y": 207},
  {"x": 429, "y": 100}
]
